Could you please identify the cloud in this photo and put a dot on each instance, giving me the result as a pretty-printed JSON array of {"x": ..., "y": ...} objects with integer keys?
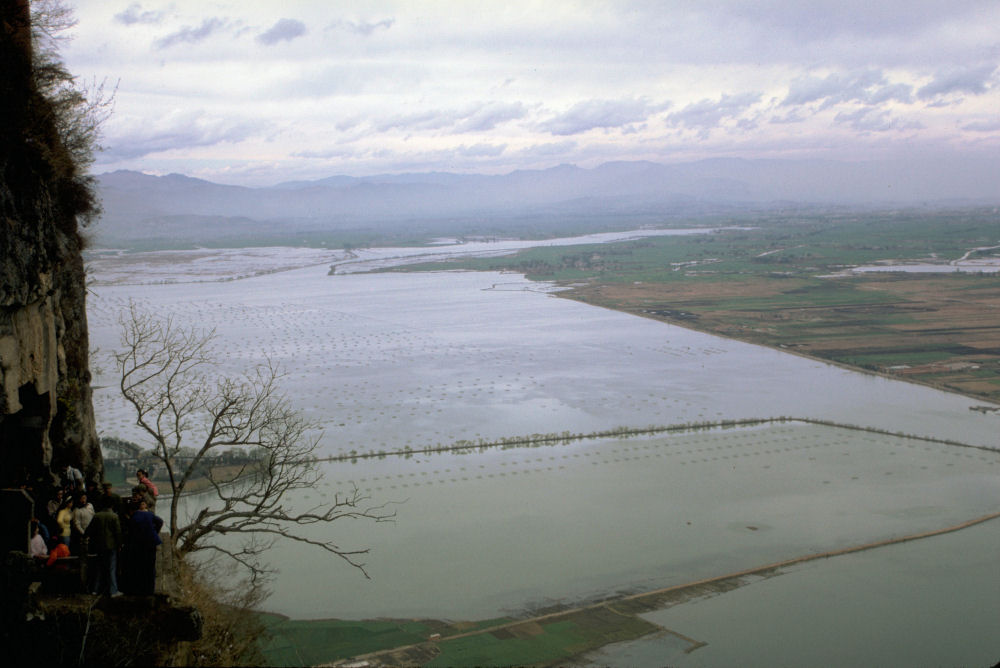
[
  {"x": 857, "y": 18},
  {"x": 869, "y": 119},
  {"x": 190, "y": 35},
  {"x": 326, "y": 154},
  {"x": 943, "y": 103},
  {"x": 982, "y": 126},
  {"x": 865, "y": 120},
  {"x": 348, "y": 123},
  {"x": 867, "y": 87},
  {"x": 364, "y": 29},
  {"x": 480, "y": 117},
  {"x": 974, "y": 80},
  {"x": 792, "y": 116},
  {"x": 421, "y": 120},
  {"x": 707, "y": 114},
  {"x": 549, "y": 149},
  {"x": 134, "y": 14},
  {"x": 481, "y": 150},
  {"x": 490, "y": 115},
  {"x": 806, "y": 89},
  {"x": 285, "y": 30},
  {"x": 899, "y": 91},
  {"x": 592, "y": 114},
  {"x": 439, "y": 76},
  {"x": 178, "y": 131}
]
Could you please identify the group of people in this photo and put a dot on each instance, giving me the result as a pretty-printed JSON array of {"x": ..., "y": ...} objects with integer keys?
[{"x": 120, "y": 535}]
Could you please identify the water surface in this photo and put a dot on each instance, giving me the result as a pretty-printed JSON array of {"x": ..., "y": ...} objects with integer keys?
[
  {"x": 389, "y": 360},
  {"x": 393, "y": 360},
  {"x": 503, "y": 531},
  {"x": 933, "y": 602}
]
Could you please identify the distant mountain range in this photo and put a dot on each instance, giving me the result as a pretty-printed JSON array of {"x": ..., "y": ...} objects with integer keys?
[{"x": 176, "y": 210}]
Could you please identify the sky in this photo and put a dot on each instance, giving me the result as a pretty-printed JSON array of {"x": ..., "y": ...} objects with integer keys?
[{"x": 258, "y": 92}]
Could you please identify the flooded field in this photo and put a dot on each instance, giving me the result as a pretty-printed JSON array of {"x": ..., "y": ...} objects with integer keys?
[
  {"x": 933, "y": 602},
  {"x": 386, "y": 361},
  {"x": 510, "y": 531},
  {"x": 981, "y": 266}
]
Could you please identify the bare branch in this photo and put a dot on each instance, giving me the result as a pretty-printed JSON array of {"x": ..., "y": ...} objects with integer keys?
[{"x": 166, "y": 374}]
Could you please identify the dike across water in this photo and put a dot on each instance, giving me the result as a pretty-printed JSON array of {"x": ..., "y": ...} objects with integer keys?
[{"x": 631, "y": 605}]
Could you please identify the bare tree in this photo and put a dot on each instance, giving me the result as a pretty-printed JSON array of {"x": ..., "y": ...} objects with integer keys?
[{"x": 165, "y": 374}]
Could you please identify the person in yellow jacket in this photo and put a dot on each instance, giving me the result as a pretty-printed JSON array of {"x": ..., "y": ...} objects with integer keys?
[{"x": 64, "y": 518}]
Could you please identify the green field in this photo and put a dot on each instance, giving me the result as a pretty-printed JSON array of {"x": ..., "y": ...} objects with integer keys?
[
  {"x": 793, "y": 246},
  {"x": 293, "y": 642},
  {"x": 487, "y": 642},
  {"x": 306, "y": 643}
]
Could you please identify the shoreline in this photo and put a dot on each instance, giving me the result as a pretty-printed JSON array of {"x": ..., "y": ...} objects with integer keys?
[{"x": 569, "y": 292}]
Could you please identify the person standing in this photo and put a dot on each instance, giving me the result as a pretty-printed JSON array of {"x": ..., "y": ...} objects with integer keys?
[
  {"x": 143, "y": 477},
  {"x": 53, "y": 506},
  {"x": 72, "y": 479},
  {"x": 151, "y": 492},
  {"x": 109, "y": 499},
  {"x": 64, "y": 520},
  {"x": 105, "y": 537},
  {"x": 83, "y": 513},
  {"x": 143, "y": 539}
]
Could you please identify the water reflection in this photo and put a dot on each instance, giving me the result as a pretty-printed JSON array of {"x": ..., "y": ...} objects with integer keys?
[{"x": 503, "y": 531}]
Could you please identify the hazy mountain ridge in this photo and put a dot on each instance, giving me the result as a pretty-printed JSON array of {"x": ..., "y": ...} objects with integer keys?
[{"x": 189, "y": 210}]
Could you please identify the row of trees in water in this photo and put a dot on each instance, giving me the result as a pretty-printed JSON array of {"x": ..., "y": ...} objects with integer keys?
[{"x": 622, "y": 432}]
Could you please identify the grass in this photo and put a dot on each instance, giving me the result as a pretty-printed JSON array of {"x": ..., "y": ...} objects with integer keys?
[
  {"x": 298, "y": 642},
  {"x": 550, "y": 643},
  {"x": 567, "y": 636},
  {"x": 310, "y": 642},
  {"x": 894, "y": 358}
]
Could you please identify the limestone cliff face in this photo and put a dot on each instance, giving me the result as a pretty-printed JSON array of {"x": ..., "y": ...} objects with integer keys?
[{"x": 46, "y": 414}]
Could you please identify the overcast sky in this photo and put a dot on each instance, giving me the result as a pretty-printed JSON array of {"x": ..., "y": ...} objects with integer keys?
[{"x": 257, "y": 92}]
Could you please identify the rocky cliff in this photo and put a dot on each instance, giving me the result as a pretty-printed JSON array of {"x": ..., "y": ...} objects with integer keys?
[{"x": 46, "y": 415}]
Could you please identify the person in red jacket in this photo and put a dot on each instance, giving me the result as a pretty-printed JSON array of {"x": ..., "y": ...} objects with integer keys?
[
  {"x": 143, "y": 477},
  {"x": 59, "y": 550}
]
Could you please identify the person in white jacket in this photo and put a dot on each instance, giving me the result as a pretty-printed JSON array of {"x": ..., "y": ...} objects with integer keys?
[
  {"x": 83, "y": 513},
  {"x": 38, "y": 547}
]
